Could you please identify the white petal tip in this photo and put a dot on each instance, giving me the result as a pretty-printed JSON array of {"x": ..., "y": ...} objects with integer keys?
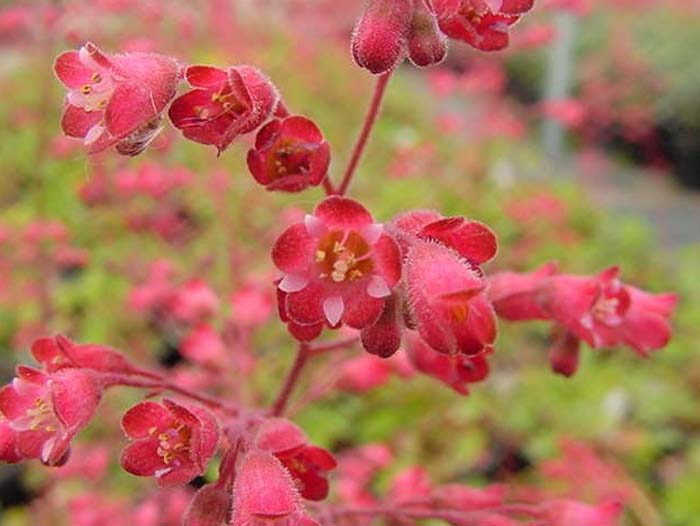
[{"x": 333, "y": 309}]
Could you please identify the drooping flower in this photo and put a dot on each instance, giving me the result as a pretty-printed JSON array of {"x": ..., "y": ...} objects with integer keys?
[
  {"x": 264, "y": 494},
  {"x": 46, "y": 411},
  {"x": 456, "y": 371},
  {"x": 448, "y": 301},
  {"x": 483, "y": 24},
  {"x": 603, "y": 311},
  {"x": 339, "y": 266},
  {"x": 171, "y": 441},
  {"x": 289, "y": 155},
  {"x": 306, "y": 463},
  {"x": 390, "y": 30},
  {"x": 600, "y": 310},
  {"x": 223, "y": 104},
  {"x": 115, "y": 100}
]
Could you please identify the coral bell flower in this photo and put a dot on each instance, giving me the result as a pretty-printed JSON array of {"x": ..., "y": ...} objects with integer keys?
[
  {"x": 289, "y": 155},
  {"x": 306, "y": 463},
  {"x": 264, "y": 494},
  {"x": 483, "y": 24},
  {"x": 115, "y": 99},
  {"x": 457, "y": 371},
  {"x": 602, "y": 311},
  {"x": 171, "y": 441},
  {"x": 47, "y": 411},
  {"x": 338, "y": 266},
  {"x": 448, "y": 302},
  {"x": 224, "y": 104}
]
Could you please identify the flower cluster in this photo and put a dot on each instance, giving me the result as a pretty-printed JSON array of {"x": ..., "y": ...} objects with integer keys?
[
  {"x": 390, "y": 30},
  {"x": 412, "y": 291}
]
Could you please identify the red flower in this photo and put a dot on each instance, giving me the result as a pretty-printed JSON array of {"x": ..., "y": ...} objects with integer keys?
[
  {"x": 289, "y": 155},
  {"x": 482, "y": 24},
  {"x": 388, "y": 30},
  {"x": 115, "y": 99},
  {"x": 338, "y": 265},
  {"x": 457, "y": 371},
  {"x": 171, "y": 441},
  {"x": 306, "y": 463},
  {"x": 447, "y": 296},
  {"x": 47, "y": 411},
  {"x": 264, "y": 494},
  {"x": 224, "y": 104}
]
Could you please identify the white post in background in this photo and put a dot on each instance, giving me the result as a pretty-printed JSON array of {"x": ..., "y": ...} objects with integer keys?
[{"x": 559, "y": 79}]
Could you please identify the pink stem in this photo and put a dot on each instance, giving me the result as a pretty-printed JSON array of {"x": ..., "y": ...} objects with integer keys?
[
  {"x": 280, "y": 404},
  {"x": 370, "y": 120},
  {"x": 161, "y": 384},
  {"x": 335, "y": 345}
]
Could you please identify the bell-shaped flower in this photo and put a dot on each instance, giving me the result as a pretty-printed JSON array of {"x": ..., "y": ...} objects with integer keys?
[
  {"x": 170, "y": 441},
  {"x": 223, "y": 104},
  {"x": 47, "y": 410},
  {"x": 115, "y": 100}
]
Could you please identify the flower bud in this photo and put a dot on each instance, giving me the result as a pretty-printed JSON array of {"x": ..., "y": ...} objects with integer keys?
[
  {"x": 427, "y": 45},
  {"x": 379, "y": 39}
]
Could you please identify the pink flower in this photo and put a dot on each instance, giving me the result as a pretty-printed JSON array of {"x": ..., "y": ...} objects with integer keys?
[
  {"x": 289, "y": 155},
  {"x": 573, "y": 513},
  {"x": 457, "y": 371},
  {"x": 515, "y": 296},
  {"x": 224, "y": 104},
  {"x": 59, "y": 353},
  {"x": 204, "y": 346},
  {"x": 193, "y": 302},
  {"x": 602, "y": 311},
  {"x": 47, "y": 410},
  {"x": 115, "y": 99},
  {"x": 483, "y": 24},
  {"x": 307, "y": 464},
  {"x": 338, "y": 267},
  {"x": 9, "y": 449},
  {"x": 264, "y": 494},
  {"x": 171, "y": 441},
  {"x": 251, "y": 304}
]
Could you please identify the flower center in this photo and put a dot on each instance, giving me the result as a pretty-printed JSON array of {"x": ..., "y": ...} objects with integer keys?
[
  {"x": 173, "y": 444},
  {"x": 42, "y": 416},
  {"x": 343, "y": 256},
  {"x": 290, "y": 157},
  {"x": 95, "y": 94}
]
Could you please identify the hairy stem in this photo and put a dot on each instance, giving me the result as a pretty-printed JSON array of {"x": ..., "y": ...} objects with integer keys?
[{"x": 370, "y": 120}]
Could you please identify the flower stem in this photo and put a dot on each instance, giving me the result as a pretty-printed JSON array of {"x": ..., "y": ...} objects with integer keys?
[
  {"x": 292, "y": 378},
  {"x": 370, "y": 120},
  {"x": 153, "y": 382}
]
